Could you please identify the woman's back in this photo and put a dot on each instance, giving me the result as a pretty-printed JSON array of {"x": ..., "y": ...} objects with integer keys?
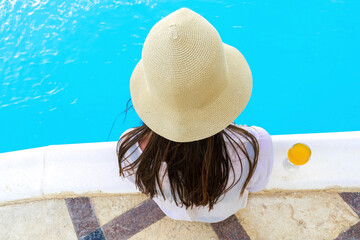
[{"x": 230, "y": 202}]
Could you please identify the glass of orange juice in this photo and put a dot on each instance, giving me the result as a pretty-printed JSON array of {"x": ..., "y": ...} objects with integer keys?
[{"x": 299, "y": 154}]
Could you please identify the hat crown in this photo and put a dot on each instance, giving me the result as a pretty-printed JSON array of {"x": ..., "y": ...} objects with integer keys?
[{"x": 184, "y": 62}]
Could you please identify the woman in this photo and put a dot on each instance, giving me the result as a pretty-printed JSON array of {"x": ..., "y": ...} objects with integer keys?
[{"x": 189, "y": 156}]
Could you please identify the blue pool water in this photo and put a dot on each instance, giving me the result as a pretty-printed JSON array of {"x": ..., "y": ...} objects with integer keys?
[{"x": 65, "y": 65}]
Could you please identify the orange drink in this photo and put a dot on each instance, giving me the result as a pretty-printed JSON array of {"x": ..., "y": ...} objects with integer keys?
[{"x": 299, "y": 154}]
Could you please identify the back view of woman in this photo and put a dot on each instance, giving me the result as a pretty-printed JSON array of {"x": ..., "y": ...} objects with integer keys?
[{"x": 189, "y": 156}]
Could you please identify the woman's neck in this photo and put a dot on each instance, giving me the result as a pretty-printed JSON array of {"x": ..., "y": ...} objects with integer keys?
[{"x": 144, "y": 142}]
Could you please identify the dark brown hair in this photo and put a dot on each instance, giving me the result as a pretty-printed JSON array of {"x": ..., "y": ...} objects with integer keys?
[{"x": 198, "y": 171}]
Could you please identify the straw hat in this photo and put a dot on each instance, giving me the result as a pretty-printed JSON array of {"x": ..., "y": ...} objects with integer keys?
[{"x": 189, "y": 85}]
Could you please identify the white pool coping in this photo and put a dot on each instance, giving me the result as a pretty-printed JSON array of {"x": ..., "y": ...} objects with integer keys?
[{"x": 92, "y": 169}]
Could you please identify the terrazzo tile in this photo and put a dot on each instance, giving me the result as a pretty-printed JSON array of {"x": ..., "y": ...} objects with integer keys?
[
  {"x": 353, "y": 233},
  {"x": 133, "y": 221},
  {"x": 95, "y": 235},
  {"x": 294, "y": 216},
  {"x": 82, "y": 215},
  {"x": 168, "y": 228},
  {"x": 107, "y": 208},
  {"x": 353, "y": 199},
  {"x": 230, "y": 229},
  {"x": 36, "y": 220}
]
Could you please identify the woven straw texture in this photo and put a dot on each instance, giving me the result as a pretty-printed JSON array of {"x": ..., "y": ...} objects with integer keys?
[{"x": 189, "y": 85}]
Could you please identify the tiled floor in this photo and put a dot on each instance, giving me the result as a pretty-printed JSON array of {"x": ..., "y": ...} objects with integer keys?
[{"x": 307, "y": 215}]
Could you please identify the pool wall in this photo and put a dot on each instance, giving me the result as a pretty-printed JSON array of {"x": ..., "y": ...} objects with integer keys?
[{"x": 91, "y": 169}]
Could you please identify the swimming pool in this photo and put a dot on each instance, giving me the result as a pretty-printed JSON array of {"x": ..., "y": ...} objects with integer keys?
[{"x": 65, "y": 66}]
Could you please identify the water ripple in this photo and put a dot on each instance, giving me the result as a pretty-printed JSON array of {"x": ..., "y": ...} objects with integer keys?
[{"x": 42, "y": 41}]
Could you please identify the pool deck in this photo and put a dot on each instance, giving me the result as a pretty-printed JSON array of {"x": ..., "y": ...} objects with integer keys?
[{"x": 292, "y": 215}]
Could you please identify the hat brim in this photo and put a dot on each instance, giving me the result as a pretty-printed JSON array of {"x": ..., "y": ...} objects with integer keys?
[{"x": 202, "y": 123}]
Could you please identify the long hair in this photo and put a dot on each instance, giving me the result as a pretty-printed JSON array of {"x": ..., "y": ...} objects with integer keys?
[{"x": 198, "y": 171}]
